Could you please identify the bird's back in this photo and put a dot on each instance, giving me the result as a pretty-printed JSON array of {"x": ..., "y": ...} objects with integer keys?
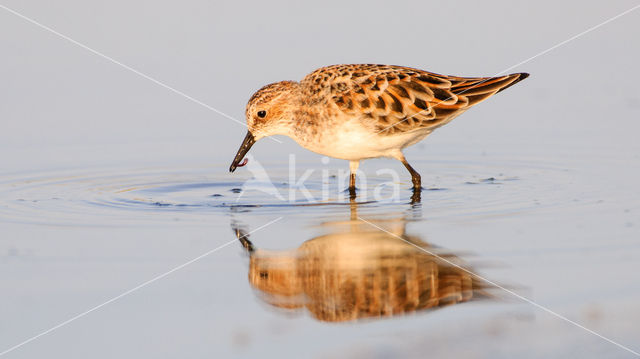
[{"x": 395, "y": 99}]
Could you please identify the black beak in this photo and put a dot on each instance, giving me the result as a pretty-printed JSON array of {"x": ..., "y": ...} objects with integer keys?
[{"x": 248, "y": 141}]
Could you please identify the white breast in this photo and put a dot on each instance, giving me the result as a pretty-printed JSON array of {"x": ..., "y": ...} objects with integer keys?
[{"x": 352, "y": 141}]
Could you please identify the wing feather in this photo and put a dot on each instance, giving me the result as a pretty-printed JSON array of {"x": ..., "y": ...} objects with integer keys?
[{"x": 399, "y": 99}]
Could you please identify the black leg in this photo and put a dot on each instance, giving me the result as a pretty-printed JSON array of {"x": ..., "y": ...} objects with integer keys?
[
  {"x": 352, "y": 181},
  {"x": 416, "y": 196},
  {"x": 352, "y": 186},
  {"x": 415, "y": 176},
  {"x": 353, "y": 168}
]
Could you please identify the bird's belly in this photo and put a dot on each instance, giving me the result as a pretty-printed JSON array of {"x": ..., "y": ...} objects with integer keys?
[{"x": 354, "y": 142}]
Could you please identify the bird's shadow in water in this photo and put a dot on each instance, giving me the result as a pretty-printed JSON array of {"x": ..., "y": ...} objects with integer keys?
[{"x": 361, "y": 269}]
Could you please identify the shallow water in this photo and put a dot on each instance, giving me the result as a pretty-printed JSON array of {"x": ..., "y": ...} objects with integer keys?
[
  {"x": 78, "y": 238},
  {"x": 123, "y": 234},
  {"x": 193, "y": 193}
]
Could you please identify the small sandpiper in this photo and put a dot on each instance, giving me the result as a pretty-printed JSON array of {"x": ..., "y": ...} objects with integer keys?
[{"x": 357, "y": 112}]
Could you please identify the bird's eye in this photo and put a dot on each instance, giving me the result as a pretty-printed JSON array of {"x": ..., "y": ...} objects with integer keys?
[{"x": 262, "y": 114}]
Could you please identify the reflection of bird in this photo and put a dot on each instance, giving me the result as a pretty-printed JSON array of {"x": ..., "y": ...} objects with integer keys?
[
  {"x": 356, "y": 112},
  {"x": 360, "y": 273}
]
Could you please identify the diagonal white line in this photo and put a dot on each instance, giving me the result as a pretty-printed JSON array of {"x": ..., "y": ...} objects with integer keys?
[
  {"x": 568, "y": 40},
  {"x": 132, "y": 290},
  {"x": 111, "y": 59},
  {"x": 522, "y": 62},
  {"x": 507, "y": 290}
]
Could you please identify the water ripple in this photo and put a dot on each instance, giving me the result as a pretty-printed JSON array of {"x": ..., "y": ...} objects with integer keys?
[{"x": 121, "y": 196}]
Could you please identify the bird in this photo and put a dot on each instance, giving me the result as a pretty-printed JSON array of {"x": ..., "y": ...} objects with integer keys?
[{"x": 362, "y": 111}]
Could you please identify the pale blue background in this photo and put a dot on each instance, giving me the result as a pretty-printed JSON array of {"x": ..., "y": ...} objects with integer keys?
[{"x": 566, "y": 234}]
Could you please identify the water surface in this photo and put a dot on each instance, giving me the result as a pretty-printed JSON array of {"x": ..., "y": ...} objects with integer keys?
[
  {"x": 365, "y": 275},
  {"x": 109, "y": 181}
]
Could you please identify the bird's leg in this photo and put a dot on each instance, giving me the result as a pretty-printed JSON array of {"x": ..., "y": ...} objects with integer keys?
[
  {"x": 415, "y": 176},
  {"x": 416, "y": 196},
  {"x": 353, "y": 168},
  {"x": 417, "y": 185}
]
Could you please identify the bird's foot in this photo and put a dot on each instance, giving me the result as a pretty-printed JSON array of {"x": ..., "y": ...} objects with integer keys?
[
  {"x": 417, "y": 195},
  {"x": 352, "y": 192}
]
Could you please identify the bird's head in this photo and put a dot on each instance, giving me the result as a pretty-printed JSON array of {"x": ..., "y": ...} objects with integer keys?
[{"x": 269, "y": 112}]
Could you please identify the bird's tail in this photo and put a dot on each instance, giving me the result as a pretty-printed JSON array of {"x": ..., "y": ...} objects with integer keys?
[{"x": 477, "y": 89}]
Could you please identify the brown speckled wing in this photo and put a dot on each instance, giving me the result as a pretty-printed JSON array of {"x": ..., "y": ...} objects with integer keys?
[{"x": 400, "y": 99}]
